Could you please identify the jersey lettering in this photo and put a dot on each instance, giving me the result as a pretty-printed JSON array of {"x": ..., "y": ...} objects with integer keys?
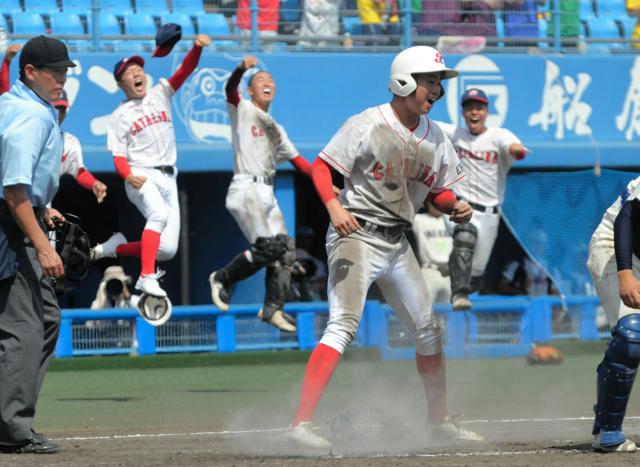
[
  {"x": 148, "y": 120},
  {"x": 413, "y": 171},
  {"x": 256, "y": 131},
  {"x": 488, "y": 156}
]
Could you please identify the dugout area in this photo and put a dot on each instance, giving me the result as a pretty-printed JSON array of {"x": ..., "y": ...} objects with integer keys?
[{"x": 231, "y": 410}]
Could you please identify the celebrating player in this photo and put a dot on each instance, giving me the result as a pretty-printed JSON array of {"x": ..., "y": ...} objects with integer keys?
[
  {"x": 5, "y": 81},
  {"x": 614, "y": 265},
  {"x": 72, "y": 161},
  {"x": 391, "y": 156},
  {"x": 486, "y": 155},
  {"x": 259, "y": 142},
  {"x": 142, "y": 140}
]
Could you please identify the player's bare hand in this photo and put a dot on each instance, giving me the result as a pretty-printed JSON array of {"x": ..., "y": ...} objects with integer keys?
[
  {"x": 342, "y": 220},
  {"x": 136, "y": 181},
  {"x": 336, "y": 190},
  {"x": 248, "y": 62},
  {"x": 11, "y": 52},
  {"x": 52, "y": 218},
  {"x": 100, "y": 191},
  {"x": 461, "y": 213},
  {"x": 49, "y": 260},
  {"x": 518, "y": 151},
  {"x": 629, "y": 289},
  {"x": 203, "y": 40}
]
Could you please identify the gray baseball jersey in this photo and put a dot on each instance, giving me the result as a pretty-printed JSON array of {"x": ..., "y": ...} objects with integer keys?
[{"x": 388, "y": 169}]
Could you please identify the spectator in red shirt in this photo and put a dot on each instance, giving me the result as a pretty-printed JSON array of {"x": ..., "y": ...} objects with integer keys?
[{"x": 268, "y": 17}]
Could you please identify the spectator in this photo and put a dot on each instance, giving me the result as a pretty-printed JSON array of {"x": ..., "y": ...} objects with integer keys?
[
  {"x": 524, "y": 277},
  {"x": 113, "y": 291},
  {"x": 268, "y": 17},
  {"x": 375, "y": 14},
  {"x": 319, "y": 18},
  {"x": 479, "y": 17},
  {"x": 633, "y": 9},
  {"x": 441, "y": 17},
  {"x": 569, "y": 20},
  {"x": 433, "y": 244},
  {"x": 520, "y": 20}
]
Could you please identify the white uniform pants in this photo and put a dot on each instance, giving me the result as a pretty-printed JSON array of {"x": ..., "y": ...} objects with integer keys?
[
  {"x": 604, "y": 271},
  {"x": 360, "y": 259},
  {"x": 157, "y": 200},
  {"x": 254, "y": 207},
  {"x": 438, "y": 286}
]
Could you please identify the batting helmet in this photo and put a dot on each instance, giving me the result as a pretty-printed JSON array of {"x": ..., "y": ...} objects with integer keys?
[
  {"x": 155, "y": 310},
  {"x": 414, "y": 60}
]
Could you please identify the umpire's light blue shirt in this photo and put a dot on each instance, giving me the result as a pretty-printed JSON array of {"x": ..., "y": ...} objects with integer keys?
[{"x": 30, "y": 144}]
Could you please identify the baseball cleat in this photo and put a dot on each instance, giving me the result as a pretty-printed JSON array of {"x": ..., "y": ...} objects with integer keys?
[
  {"x": 303, "y": 435},
  {"x": 460, "y": 302},
  {"x": 149, "y": 284},
  {"x": 220, "y": 295},
  {"x": 613, "y": 441},
  {"x": 279, "y": 319},
  {"x": 108, "y": 248},
  {"x": 450, "y": 431}
]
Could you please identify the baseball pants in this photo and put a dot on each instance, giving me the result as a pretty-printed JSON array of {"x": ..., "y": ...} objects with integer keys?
[
  {"x": 487, "y": 225},
  {"x": 438, "y": 286},
  {"x": 157, "y": 200},
  {"x": 358, "y": 260}
]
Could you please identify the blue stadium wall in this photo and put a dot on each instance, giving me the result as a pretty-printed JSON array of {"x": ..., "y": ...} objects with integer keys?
[{"x": 570, "y": 110}]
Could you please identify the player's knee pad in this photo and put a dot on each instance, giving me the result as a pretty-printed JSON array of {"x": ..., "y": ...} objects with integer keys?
[
  {"x": 266, "y": 250},
  {"x": 428, "y": 340},
  {"x": 461, "y": 259},
  {"x": 288, "y": 246},
  {"x": 617, "y": 372},
  {"x": 277, "y": 282}
]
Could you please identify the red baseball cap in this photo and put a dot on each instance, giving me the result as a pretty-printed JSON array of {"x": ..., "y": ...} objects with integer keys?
[{"x": 122, "y": 65}]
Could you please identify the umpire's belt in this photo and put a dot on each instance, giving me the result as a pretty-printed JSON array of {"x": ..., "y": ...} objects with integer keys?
[
  {"x": 254, "y": 178},
  {"x": 165, "y": 169},
  {"x": 5, "y": 212},
  {"x": 388, "y": 232},
  {"x": 481, "y": 208}
]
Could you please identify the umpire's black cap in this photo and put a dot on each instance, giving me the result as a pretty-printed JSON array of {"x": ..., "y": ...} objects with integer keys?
[
  {"x": 45, "y": 51},
  {"x": 167, "y": 36}
]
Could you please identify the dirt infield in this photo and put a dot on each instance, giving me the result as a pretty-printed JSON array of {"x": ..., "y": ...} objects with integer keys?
[{"x": 213, "y": 414}]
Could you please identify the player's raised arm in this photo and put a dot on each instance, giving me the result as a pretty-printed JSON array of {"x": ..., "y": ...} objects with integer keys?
[
  {"x": 190, "y": 62},
  {"x": 517, "y": 151},
  {"x": 342, "y": 220},
  {"x": 5, "y": 81},
  {"x": 231, "y": 89}
]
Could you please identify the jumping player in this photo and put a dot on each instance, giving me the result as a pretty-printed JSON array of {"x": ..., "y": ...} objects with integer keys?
[
  {"x": 391, "y": 156},
  {"x": 141, "y": 137},
  {"x": 259, "y": 143},
  {"x": 5, "y": 81},
  {"x": 72, "y": 162},
  {"x": 614, "y": 264},
  {"x": 486, "y": 155}
]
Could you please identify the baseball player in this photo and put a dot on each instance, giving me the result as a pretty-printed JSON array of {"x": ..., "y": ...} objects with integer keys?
[
  {"x": 486, "y": 155},
  {"x": 141, "y": 137},
  {"x": 391, "y": 156},
  {"x": 72, "y": 162},
  {"x": 614, "y": 264},
  {"x": 5, "y": 82},
  {"x": 259, "y": 143},
  {"x": 433, "y": 245}
]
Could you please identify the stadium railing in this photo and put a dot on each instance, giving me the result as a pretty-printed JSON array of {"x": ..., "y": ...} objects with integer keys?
[{"x": 495, "y": 327}]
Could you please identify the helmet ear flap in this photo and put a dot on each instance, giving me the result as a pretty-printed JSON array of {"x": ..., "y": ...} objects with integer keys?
[
  {"x": 441, "y": 91},
  {"x": 402, "y": 84}
]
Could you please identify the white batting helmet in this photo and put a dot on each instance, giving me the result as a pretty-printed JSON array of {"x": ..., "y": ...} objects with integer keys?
[
  {"x": 155, "y": 310},
  {"x": 418, "y": 59}
]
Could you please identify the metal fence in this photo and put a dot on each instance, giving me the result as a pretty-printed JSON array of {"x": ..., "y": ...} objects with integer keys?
[{"x": 495, "y": 327}]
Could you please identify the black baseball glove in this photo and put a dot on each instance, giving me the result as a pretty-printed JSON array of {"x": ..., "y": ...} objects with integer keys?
[{"x": 74, "y": 248}]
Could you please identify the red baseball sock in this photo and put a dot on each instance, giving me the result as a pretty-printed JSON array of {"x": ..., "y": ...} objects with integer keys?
[
  {"x": 320, "y": 367},
  {"x": 148, "y": 251},
  {"x": 129, "y": 249},
  {"x": 431, "y": 369}
]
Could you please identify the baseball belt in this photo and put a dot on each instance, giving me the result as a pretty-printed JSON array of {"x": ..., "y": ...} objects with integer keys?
[
  {"x": 385, "y": 231},
  {"x": 166, "y": 169},
  {"x": 482, "y": 208},
  {"x": 255, "y": 178}
]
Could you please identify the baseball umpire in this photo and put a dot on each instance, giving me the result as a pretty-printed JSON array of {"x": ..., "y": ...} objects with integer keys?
[{"x": 30, "y": 148}]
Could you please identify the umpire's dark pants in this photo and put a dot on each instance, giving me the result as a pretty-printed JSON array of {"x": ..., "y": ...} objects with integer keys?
[{"x": 29, "y": 325}]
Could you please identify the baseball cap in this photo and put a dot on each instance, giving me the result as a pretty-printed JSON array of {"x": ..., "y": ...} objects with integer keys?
[
  {"x": 115, "y": 272},
  {"x": 167, "y": 36},
  {"x": 474, "y": 94},
  {"x": 63, "y": 101},
  {"x": 45, "y": 51},
  {"x": 122, "y": 65}
]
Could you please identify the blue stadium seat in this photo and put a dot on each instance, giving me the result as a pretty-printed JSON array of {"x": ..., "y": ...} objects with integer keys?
[
  {"x": 3, "y": 24},
  {"x": 214, "y": 24},
  {"x": 109, "y": 25},
  {"x": 291, "y": 11},
  {"x": 182, "y": 19},
  {"x": 586, "y": 10},
  {"x": 80, "y": 7},
  {"x": 41, "y": 6},
  {"x": 352, "y": 25},
  {"x": 628, "y": 24},
  {"x": 603, "y": 27},
  {"x": 613, "y": 8},
  {"x": 10, "y": 6},
  {"x": 139, "y": 24},
  {"x": 117, "y": 7},
  {"x": 28, "y": 23},
  {"x": 66, "y": 24},
  {"x": 189, "y": 7},
  {"x": 152, "y": 7}
]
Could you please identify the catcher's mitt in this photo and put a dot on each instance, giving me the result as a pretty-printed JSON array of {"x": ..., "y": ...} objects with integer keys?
[
  {"x": 544, "y": 355},
  {"x": 73, "y": 246}
]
